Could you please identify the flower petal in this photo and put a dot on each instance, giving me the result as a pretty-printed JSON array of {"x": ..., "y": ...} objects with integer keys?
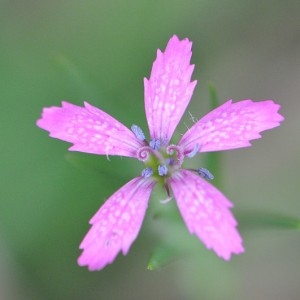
[
  {"x": 206, "y": 214},
  {"x": 116, "y": 224},
  {"x": 169, "y": 89},
  {"x": 90, "y": 129},
  {"x": 232, "y": 125}
]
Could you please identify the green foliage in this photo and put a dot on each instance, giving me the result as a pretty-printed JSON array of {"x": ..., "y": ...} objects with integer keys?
[
  {"x": 162, "y": 256},
  {"x": 257, "y": 220}
]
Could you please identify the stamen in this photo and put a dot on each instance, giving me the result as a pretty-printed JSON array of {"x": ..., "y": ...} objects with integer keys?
[
  {"x": 205, "y": 174},
  {"x": 147, "y": 172},
  {"x": 162, "y": 170},
  {"x": 194, "y": 151},
  {"x": 138, "y": 132},
  {"x": 155, "y": 144}
]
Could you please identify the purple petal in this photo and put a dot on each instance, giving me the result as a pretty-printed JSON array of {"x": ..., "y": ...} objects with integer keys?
[
  {"x": 90, "y": 129},
  {"x": 206, "y": 214},
  {"x": 232, "y": 125},
  {"x": 169, "y": 89},
  {"x": 116, "y": 224}
]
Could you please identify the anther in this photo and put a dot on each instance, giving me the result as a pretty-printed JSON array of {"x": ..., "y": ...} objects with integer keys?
[
  {"x": 138, "y": 132},
  {"x": 170, "y": 161},
  {"x": 155, "y": 144},
  {"x": 162, "y": 170},
  {"x": 147, "y": 172},
  {"x": 205, "y": 174}
]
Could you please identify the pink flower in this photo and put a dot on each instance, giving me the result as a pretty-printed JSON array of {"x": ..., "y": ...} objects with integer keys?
[{"x": 205, "y": 210}]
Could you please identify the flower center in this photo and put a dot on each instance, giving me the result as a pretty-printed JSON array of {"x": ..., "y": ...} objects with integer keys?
[{"x": 161, "y": 161}]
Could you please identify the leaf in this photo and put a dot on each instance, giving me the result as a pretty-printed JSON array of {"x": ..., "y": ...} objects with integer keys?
[{"x": 164, "y": 255}]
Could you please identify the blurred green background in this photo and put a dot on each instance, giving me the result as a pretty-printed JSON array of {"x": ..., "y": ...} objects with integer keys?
[{"x": 100, "y": 51}]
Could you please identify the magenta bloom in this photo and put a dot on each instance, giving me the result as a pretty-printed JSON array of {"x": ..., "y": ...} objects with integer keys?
[{"x": 205, "y": 210}]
